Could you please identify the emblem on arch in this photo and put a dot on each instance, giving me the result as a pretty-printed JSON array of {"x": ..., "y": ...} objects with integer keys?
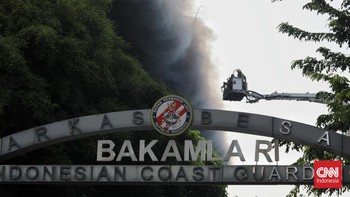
[{"x": 171, "y": 115}]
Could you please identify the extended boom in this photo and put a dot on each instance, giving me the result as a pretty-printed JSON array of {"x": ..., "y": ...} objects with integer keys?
[{"x": 236, "y": 88}]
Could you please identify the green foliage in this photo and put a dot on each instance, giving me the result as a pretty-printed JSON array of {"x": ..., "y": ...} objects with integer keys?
[
  {"x": 330, "y": 68},
  {"x": 62, "y": 59}
]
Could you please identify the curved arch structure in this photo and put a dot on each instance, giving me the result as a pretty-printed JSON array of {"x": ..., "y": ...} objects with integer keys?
[{"x": 203, "y": 119}]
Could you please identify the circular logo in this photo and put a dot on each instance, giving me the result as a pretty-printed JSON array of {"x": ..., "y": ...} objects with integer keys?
[{"x": 171, "y": 115}]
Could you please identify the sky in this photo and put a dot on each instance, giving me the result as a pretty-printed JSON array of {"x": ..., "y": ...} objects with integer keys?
[{"x": 246, "y": 38}]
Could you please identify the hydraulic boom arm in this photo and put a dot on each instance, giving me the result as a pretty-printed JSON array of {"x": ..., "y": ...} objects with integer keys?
[
  {"x": 236, "y": 88},
  {"x": 253, "y": 97}
]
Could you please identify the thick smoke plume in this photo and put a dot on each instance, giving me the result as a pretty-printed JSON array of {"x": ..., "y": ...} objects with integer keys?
[{"x": 172, "y": 45}]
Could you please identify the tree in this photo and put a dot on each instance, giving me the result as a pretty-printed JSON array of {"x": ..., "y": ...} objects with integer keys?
[
  {"x": 62, "y": 59},
  {"x": 331, "y": 68}
]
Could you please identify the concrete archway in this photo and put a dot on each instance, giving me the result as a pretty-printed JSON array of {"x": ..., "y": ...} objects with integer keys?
[{"x": 203, "y": 119}]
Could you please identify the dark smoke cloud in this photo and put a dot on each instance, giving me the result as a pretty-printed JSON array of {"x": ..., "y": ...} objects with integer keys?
[{"x": 173, "y": 47}]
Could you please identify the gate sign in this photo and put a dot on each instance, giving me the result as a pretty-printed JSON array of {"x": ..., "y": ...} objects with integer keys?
[
  {"x": 161, "y": 174},
  {"x": 171, "y": 115},
  {"x": 203, "y": 119}
]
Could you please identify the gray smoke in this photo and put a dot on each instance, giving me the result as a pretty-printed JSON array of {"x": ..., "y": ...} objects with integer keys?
[{"x": 172, "y": 45}]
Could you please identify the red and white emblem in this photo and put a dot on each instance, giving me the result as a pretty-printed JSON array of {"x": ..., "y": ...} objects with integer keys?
[{"x": 171, "y": 115}]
